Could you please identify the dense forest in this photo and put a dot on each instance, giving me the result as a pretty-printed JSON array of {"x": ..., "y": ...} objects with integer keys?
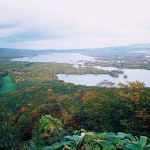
[{"x": 45, "y": 113}]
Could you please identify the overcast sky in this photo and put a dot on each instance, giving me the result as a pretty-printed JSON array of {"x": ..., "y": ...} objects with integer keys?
[{"x": 64, "y": 24}]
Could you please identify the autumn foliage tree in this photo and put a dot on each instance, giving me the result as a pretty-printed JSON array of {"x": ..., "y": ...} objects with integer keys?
[
  {"x": 88, "y": 95},
  {"x": 132, "y": 90},
  {"x": 132, "y": 95}
]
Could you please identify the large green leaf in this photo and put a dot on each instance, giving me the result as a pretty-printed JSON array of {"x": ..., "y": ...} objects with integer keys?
[
  {"x": 49, "y": 127},
  {"x": 123, "y": 142},
  {"x": 44, "y": 120},
  {"x": 57, "y": 121},
  {"x": 92, "y": 146},
  {"x": 124, "y": 135},
  {"x": 101, "y": 135},
  {"x": 59, "y": 145},
  {"x": 108, "y": 145},
  {"x": 83, "y": 130},
  {"x": 132, "y": 147},
  {"x": 88, "y": 138},
  {"x": 143, "y": 140},
  {"x": 74, "y": 138}
]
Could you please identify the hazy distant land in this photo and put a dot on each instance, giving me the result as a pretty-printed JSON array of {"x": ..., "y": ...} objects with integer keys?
[{"x": 137, "y": 51}]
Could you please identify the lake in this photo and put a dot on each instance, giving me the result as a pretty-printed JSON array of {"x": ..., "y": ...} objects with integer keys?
[
  {"x": 58, "y": 58},
  {"x": 8, "y": 84},
  {"x": 88, "y": 79},
  {"x": 140, "y": 75}
]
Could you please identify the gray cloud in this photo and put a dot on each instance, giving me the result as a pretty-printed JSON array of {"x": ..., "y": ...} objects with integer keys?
[{"x": 73, "y": 23}]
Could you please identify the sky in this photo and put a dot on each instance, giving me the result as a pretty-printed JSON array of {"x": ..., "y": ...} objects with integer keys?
[{"x": 72, "y": 24}]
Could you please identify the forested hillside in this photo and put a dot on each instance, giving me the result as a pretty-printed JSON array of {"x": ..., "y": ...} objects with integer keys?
[{"x": 94, "y": 109}]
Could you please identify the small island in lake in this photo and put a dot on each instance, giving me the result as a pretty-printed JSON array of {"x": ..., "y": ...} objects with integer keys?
[
  {"x": 115, "y": 73},
  {"x": 125, "y": 76}
]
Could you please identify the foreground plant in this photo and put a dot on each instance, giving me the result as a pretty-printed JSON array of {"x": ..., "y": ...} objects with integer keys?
[
  {"x": 101, "y": 141},
  {"x": 48, "y": 131},
  {"x": 51, "y": 133}
]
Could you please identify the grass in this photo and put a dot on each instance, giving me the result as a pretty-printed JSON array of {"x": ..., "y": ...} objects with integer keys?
[{"x": 8, "y": 84}]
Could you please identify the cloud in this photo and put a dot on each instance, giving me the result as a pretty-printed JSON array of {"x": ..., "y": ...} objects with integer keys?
[{"x": 43, "y": 24}]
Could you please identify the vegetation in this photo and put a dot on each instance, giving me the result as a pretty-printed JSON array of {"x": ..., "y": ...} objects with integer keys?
[
  {"x": 50, "y": 130},
  {"x": 7, "y": 85},
  {"x": 44, "y": 112},
  {"x": 115, "y": 73},
  {"x": 121, "y": 64}
]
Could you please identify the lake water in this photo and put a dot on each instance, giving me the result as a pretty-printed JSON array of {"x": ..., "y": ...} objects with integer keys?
[
  {"x": 105, "y": 68},
  {"x": 8, "y": 84},
  {"x": 57, "y": 57},
  {"x": 140, "y": 75}
]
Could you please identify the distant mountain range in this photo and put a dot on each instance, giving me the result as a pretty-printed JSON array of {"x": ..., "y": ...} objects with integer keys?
[{"x": 120, "y": 50}]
